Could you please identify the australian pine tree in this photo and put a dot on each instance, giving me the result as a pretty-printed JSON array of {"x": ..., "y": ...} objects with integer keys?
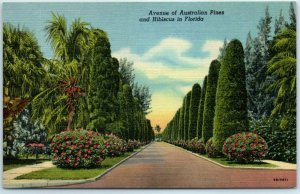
[
  {"x": 175, "y": 127},
  {"x": 186, "y": 114},
  {"x": 231, "y": 97},
  {"x": 193, "y": 112},
  {"x": 279, "y": 23},
  {"x": 210, "y": 100},
  {"x": 181, "y": 122},
  {"x": 201, "y": 108},
  {"x": 222, "y": 50},
  {"x": 104, "y": 83},
  {"x": 257, "y": 54},
  {"x": 127, "y": 110}
]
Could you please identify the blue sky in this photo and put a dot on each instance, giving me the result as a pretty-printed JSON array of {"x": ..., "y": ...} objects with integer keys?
[{"x": 169, "y": 57}]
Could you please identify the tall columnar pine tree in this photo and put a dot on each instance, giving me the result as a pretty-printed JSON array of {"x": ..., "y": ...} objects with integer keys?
[
  {"x": 201, "y": 109},
  {"x": 104, "y": 83},
  {"x": 127, "y": 112},
  {"x": 231, "y": 97},
  {"x": 175, "y": 126},
  {"x": 181, "y": 122},
  {"x": 210, "y": 100},
  {"x": 193, "y": 112},
  {"x": 187, "y": 114},
  {"x": 178, "y": 123}
]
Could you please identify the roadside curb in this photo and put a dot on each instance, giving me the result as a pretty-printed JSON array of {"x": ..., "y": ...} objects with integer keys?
[
  {"x": 51, "y": 183},
  {"x": 231, "y": 167},
  {"x": 119, "y": 163}
]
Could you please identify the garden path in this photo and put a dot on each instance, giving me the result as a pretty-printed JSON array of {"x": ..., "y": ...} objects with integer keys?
[{"x": 162, "y": 165}]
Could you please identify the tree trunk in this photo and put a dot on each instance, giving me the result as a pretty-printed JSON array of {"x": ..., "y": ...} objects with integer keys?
[{"x": 70, "y": 115}]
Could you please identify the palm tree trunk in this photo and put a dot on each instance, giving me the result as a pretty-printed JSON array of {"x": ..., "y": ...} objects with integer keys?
[{"x": 70, "y": 115}]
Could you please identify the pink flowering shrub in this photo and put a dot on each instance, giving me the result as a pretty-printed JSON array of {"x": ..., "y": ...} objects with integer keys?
[
  {"x": 35, "y": 148},
  {"x": 211, "y": 149},
  {"x": 196, "y": 146},
  {"x": 133, "y": 144},
  {"x": 115, "y": 146},
  {"x": 78, "y": 149},
  {"x": 245, "y": 147}
]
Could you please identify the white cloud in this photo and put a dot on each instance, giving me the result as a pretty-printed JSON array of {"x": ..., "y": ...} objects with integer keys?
[
  {"x": 174, "y": 45},
  {"x": 192, "y": 68}
]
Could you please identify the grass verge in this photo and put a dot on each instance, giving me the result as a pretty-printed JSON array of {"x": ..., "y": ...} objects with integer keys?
[
  {"x": 225, "y": 162},
  {"x": 56, "y": 173},
  {"x": 11, "y": 164}
]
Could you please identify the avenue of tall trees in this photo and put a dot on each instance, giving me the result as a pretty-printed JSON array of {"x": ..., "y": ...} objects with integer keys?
[
  {"x": 82, "y": 86},
  {"x": 247, "y": 89}
]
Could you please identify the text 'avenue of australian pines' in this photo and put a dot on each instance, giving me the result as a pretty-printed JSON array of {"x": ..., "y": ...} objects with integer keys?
[{"x": 180, "y": 15}]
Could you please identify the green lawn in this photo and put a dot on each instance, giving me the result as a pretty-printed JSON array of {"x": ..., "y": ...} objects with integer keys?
[
  {"x": 10, "y": 164},
  {"x": 225, "y": 162},
  {"x": 56, "y": 173}
]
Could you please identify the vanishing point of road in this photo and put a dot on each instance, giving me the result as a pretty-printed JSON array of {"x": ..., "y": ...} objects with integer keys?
[{"x": 161, "y": 165}]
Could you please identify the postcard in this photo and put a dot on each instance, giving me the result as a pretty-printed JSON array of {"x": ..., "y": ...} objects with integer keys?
[{"x": 152, "y": 95}]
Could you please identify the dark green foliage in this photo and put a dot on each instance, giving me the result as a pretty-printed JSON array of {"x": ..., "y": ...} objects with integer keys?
[
  {"x": 201, "y": 109},
  {"x": 210, "y": 100},
  {"x": 181, "y": 123},
  {"x": 231, "y": 98},
  {"x": 126, "y": 71},
  {"x": 104, "y": 83},
  {"x": 22, "y": 70},
  {"x": 186, "y": 114},
  {"x": 150, "y": 133},
  {"x": 281, "y": 142},
  {"x": 193, "y": 112},
  {"x": 143, "y": 95},
  {"x": 127, "y": 109},
  {"x": 182, "y": 118},
  {"x": 283, "y": 67}
]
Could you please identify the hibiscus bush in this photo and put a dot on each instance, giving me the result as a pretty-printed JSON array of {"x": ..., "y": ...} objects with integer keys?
[
  {"x": 78, "y": 149},
  {"x": 115, "y": 146},
  {"x": 211, "y": 150},
  {"x": 35, "y": 149},
  {"x": 245, "y": 147},
  {"x": 196, "y": 146},
  {"x": 133, "y": 144}
]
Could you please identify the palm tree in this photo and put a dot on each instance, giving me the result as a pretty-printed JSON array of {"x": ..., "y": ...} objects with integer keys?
[
  {"x": 65, "y": 74},
  {"x": 283, "y": 67}
]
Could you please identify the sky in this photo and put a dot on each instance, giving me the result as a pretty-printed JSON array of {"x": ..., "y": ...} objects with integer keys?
[{"x": 169, "y": 57}]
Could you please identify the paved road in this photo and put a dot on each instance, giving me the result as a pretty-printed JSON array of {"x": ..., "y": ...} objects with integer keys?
[{"x": 162, "y": 165}]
